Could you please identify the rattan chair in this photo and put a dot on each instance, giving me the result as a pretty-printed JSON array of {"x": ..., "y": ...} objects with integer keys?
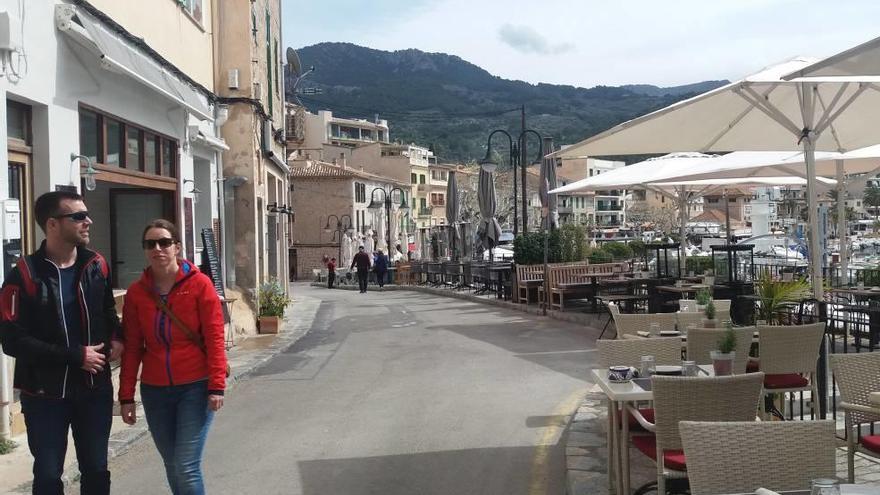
[
  {"x": 629, "y": 352},
  {"x": 631, "y": 324},
  {"x": 722, "y": 398},
  {"x": 857, "y": 376},
  {"x": 700, "y": 341},
  {"x": 788, "y": 357},
  {"x": 686, "y": 319},
  {"x": 740, "y": 457}
]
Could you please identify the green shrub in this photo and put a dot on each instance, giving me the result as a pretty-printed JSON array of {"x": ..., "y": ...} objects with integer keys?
[
  {"x": 618, "y": 250},
  {"x": 710, "y": 310},
  {"x": 272, "y": 299},
  {"x": 727, "y": 342},
  {"x": 572, "y": 242},
  {"x": 6, "y": 446},
  {"x": 638, "y": 247},
  {"x": 698, "y": 264},
  {"x": 563, "y": 245},
  {"x": 599, "y": 256}
]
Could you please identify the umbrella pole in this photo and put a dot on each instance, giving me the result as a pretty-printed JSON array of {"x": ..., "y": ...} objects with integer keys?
[
  {"x": 682, "y": 230},
  {"x": 842, "y": 240},
  {"x": 729, "y": 239},
  {"x": 812, "y": 209}
]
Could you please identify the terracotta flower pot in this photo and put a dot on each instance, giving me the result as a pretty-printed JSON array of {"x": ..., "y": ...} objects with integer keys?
[
  {"x": 722, "y": 363},
  {"x": 268, "y": 324}
]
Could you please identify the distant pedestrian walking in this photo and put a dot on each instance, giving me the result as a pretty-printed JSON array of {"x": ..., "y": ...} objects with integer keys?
[
  {"x": 331, "y": 272},
  {"x": 381, "y": 268},
  {"x": 361, "y": 261}
]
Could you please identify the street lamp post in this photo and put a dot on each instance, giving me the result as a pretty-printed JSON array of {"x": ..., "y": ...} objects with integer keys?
[
  {"x": 386, "y": 201},
  {"x": 341, "y": 227},
  {"x": 516, "y": 159}
]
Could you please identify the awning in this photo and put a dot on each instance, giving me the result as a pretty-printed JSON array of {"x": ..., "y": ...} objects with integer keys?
[
  {"x": 278, "y": 162},
  {"x": 118, "y": 55}
]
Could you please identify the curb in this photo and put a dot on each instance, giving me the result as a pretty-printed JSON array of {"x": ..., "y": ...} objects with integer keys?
[
  {"x": 586, "y": 453},
  {"x": 300, "y": 317}
]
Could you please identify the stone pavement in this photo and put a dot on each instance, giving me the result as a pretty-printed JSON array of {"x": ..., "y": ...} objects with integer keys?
[
  {"x": 246, "y": 357},
  {"x": 586, "y": 454}
]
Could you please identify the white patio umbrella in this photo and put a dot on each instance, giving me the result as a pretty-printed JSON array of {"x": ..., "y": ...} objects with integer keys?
[
  {"x": 860, "y": 60},
  {"x": 761, "y": 112}
]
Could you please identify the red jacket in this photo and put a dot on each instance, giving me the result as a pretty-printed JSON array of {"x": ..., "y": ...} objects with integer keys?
[{"x": 169, "y": 357}]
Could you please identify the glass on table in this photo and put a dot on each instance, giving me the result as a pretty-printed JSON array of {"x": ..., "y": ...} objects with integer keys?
[
  {"x": 825, "y": 486},
  {"x": 647, "y": 366},
  {"x": 654, "y": 329},
  {"x": 689, "y": 368}
]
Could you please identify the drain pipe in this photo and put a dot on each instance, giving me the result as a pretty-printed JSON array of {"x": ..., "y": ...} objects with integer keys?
[
  {"x": 5, "y": 397},
  {"x": 231, "y": 182}
]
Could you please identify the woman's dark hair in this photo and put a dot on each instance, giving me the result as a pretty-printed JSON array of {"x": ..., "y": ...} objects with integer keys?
[
  {"x": 48, "y": 205},
  {"x": 161, "y": 223}
]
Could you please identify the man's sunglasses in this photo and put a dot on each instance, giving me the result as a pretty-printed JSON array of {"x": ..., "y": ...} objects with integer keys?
[
  {"x": 79, "y": 216},
  {"x": 164, "y": 243}
]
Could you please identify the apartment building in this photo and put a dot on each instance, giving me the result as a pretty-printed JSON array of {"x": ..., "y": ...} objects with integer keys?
[{"x": 324, "y": 128}]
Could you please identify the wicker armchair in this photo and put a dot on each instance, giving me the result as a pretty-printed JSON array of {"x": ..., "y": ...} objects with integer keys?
[
  {"x": 723, "y": 398},
  {"x": 740, "y": 457},
  {"x": 685, "y": 319},
  {"x": 629, "y": 352},
  {"x": 857, "y": 376},
  {"x": 788, "y": 357},
  {"x": 701, "y": 341},
  {"x": 631, "y": 324},
  {"x": 722, "y": 309}
]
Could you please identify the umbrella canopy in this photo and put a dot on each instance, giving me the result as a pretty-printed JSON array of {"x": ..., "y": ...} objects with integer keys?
[
  {"x": 548, "y": 183},
  {"x": 453, "y": 211},
  {"x": 489, "y": 231},
  {"x": 861, "y": 60},
  {"x": 762, "y": 112}
]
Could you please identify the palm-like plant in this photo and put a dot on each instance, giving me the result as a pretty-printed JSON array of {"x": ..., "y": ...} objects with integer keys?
[{"x": 774, "y": 294}]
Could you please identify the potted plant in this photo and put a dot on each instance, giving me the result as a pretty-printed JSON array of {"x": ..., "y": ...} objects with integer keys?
[
  {"x": 709, "y": 313},
  {"x": 703, "y": 298},
  {"x": 773, "y": 295},
  {"x": 723, "y": 356},
  {"x": 272, "y": 300}
]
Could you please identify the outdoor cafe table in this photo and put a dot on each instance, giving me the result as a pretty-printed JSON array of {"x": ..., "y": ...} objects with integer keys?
[
  {"x": 873, "y": 313},
  {"x": 619, "y": 394},
  {"x": 844, "y": 490},
  {"x": 684, "y": 289}
]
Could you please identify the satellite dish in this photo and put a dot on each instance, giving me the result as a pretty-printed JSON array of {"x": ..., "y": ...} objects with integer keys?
[{"x": 293, "y": 62}]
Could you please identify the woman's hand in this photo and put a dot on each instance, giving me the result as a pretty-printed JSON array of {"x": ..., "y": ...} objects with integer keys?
[
  {"x": 215, "y": 402},
  {"x": 129, "y": 413}
]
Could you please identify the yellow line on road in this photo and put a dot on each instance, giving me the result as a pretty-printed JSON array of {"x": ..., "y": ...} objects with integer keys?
[{"x": 541, "y": 460}]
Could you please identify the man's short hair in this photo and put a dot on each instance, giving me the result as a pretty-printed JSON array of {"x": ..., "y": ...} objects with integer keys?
[
  {"x": 361, "y": 248},
  {"x": 48, "y": 205}
]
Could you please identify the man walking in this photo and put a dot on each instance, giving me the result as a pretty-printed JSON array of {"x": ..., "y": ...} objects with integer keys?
[
  {"x": 381, "y": 268},
  {"x": 362, "y": 262},
  {"x": 58, "y": 319},
  {"x": 331, "y": 272}
]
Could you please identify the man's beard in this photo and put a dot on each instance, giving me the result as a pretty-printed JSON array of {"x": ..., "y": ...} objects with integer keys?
[{"x": 75, "y": 239}]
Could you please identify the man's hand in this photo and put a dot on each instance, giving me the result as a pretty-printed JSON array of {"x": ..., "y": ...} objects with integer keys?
[
  {"x": 116, "y": 350},
  {"x": 93, "y": 358},
  {"x": 129, "y": 413},
  {"x": 215, "y": 402}
]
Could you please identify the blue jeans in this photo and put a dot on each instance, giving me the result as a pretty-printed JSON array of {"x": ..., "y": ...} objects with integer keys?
[
  {"x": 89, "y": 413},
  {"x": 179, "y": 418}
]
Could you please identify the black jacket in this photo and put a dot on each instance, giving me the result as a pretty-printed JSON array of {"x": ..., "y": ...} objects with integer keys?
[
  {"x": 361, "y": 260},
  {"x": 32, "y": 328}
]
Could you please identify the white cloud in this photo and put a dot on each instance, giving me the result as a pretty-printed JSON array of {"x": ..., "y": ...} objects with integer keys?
[{"x": 526, "y": 40}]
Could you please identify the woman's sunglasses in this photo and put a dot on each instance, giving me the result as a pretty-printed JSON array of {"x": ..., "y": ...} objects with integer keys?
[
  {"x": 79, "y": 216},
  {"x": 164, "y": 243}
]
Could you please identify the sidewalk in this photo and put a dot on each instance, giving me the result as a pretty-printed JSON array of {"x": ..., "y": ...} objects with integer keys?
[{"x": 244, "y": 358}]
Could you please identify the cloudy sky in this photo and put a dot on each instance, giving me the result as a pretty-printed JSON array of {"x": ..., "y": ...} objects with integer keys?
[{"x": 592, "y": 42}]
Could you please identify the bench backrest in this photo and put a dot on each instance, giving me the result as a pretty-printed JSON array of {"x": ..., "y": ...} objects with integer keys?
[{"x": 574, "y": 273}]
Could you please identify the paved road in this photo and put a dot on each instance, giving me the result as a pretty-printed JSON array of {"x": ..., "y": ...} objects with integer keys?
[{"x": 396, "y": 393}]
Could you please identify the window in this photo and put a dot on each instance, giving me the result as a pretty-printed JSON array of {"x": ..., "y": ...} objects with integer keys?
[
  {"x": 360, "y": 192},
  {"x": 413, "y": 178},
  {"x": 133, "y": 149},
  {"x": 423, "y": 203},
  {"x": 18, "y": 122},
  {"x": 89, "y": 131},
  {"x": 421, "y": 178},
  {"x": 437, "y": 199},
  {"x": 151, "y": 154},
  {"x": 169, "y": 158},
  {"x": 110, "y": 141},
  {"x": 277, "y": 64},
  {"x": 113, "y": 130},
  {"x": 591, "y": 172},
  {"x": 193, "y": 8}
]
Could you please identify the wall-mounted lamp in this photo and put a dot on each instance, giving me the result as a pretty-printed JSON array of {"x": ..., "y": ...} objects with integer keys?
[
  {"x": 272, "y": 208},
  {"x": 195, "y": 190},
  {"x": 88, "y": 174}
]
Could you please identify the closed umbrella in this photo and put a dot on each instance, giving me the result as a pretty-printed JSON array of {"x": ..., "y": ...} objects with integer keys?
[
  {"x": 548, "y": 183},
  {"x": 760, "y": 112},
  {"x": 489, "y": 231},
  {"x": 453, "y": 210}
]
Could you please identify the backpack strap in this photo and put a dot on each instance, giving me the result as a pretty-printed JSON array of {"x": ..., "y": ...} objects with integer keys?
[{"x": 196, "y": 339}]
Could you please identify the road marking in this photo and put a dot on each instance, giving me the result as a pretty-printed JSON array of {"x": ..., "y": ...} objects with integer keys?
[{"x": 541, "y": 460}]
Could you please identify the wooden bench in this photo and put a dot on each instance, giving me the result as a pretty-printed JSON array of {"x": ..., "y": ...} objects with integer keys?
[
  {"x": 528, "y": 277},
  {"x": 578, "y": 281}
]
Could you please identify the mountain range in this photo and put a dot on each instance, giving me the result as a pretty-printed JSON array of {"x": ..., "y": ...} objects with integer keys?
[{"x": 443, "y": 101}]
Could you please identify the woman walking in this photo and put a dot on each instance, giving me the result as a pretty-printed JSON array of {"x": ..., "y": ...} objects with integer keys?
[{"x": 173, "y": 324}]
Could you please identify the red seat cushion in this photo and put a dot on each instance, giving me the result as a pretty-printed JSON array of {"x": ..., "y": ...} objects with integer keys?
[
  {"x": 672, "y": 459},
  {"x": 753, "y": 366},
  {"x": 634, "y": 425},
  {"x": 872, "y": 443},
  {"x": 790, "y": 380}
]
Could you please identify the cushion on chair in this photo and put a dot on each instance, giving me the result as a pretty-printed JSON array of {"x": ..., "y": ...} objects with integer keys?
[
  {"x": 634, "y": 425},
  {"x": 753, "y": 366},
  {"x": 788, "y": 380},
  {"x": 871, "y": 442},
  {"x": 672, "y": 459}
]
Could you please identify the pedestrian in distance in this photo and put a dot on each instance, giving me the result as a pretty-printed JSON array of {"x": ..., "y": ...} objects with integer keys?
[
  {"x": 331, "y": 272},
  {"x": 381, "y": 268},
  {"x": 59, "y": 322},
  {"x": 361, "y": 261},
  {"x": 173, "y": 322}
]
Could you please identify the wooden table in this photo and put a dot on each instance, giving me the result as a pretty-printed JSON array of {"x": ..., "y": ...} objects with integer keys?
[
  {"x": 619, "y": 394},
  {"x": 684, "y": 289}
]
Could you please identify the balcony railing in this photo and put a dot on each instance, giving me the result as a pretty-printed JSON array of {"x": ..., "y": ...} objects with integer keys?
[
  {"x": 565, "y": 210},
  {"x": 424, "y": 212},
  {"x": 612, "y": 208}
]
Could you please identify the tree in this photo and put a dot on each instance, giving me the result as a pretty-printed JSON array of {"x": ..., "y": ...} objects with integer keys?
[
  {"x": 665, "y": 220},
  {"x": 872, "y": 199}
]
